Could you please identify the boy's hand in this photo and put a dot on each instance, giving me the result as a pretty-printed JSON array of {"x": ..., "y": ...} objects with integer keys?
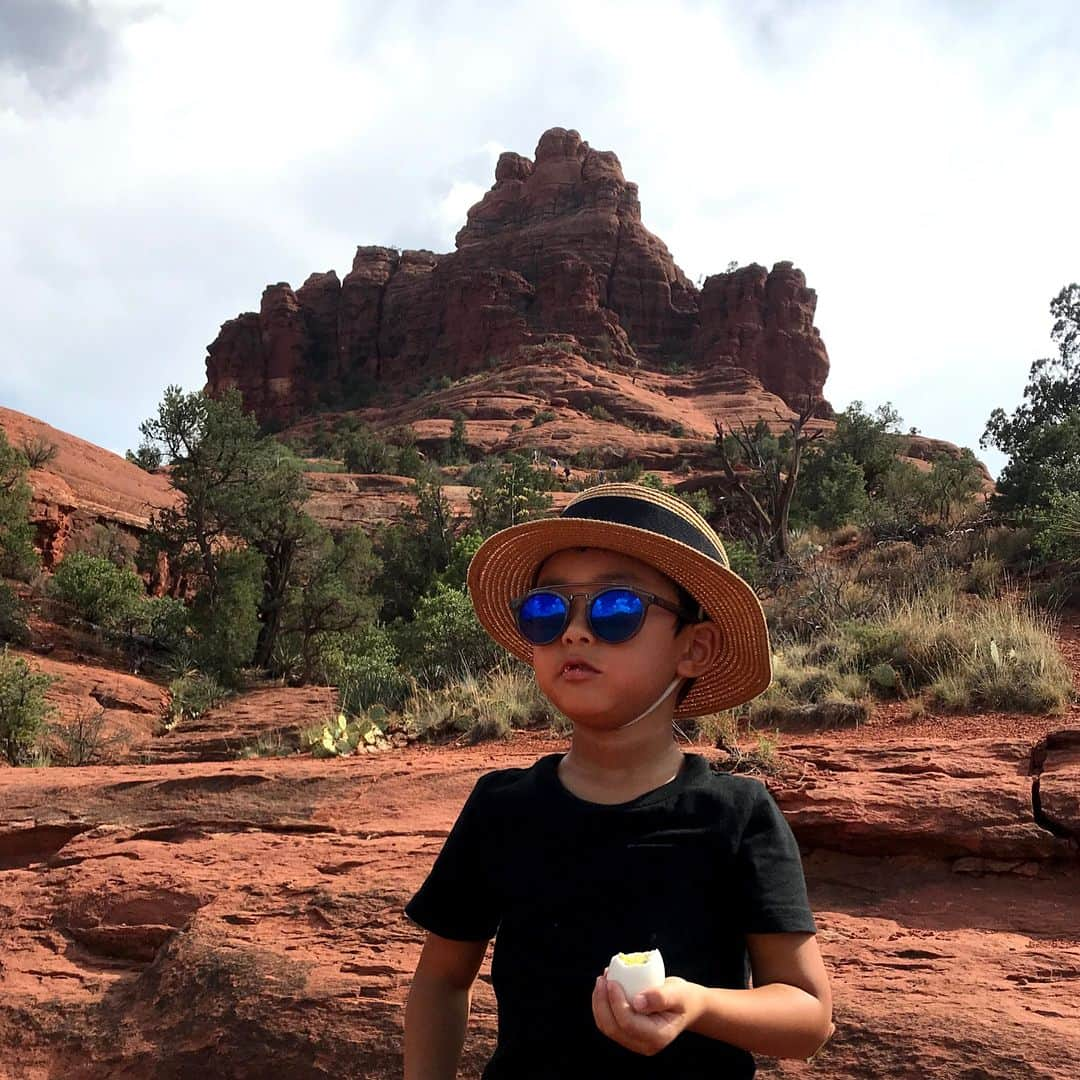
[{"x": 654, "y": 1018}]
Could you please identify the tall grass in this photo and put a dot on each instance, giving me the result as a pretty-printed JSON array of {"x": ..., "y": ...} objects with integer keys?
[
  {"x": 964, "y": 653},
  {"x": 480, "y": 706}
]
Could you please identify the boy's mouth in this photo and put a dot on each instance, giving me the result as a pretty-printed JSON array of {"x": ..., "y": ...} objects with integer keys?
[{"x": 576, "y": 668}]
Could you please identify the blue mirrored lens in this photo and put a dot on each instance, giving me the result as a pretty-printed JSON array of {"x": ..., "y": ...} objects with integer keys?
[
  {"x": 616, "y": 614},
  {"x": 542, "y": 617}
]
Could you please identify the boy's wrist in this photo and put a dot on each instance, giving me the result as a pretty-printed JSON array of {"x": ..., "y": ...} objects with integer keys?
[
  {"x": 707, "y": 1009},
  {"x": 697, "y": 1004}
]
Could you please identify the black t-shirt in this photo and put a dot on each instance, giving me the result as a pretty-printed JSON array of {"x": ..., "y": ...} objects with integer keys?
[{"x": 562, "y": 884}]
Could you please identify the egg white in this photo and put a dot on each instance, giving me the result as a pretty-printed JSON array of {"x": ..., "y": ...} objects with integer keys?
[{"x": 637, "y": 972}]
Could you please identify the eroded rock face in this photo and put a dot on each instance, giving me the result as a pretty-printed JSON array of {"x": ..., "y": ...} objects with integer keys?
[
  {"x": 556, "y": 250},
  {"x": 83, "y": 486},
  {"x": 763, "y": 322}
]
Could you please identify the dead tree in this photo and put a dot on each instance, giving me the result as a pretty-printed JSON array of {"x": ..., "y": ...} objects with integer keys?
[{"x": 774, "y": 474}]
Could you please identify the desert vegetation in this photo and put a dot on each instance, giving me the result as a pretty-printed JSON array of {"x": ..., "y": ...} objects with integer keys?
[{"x": 884, "y": 576}]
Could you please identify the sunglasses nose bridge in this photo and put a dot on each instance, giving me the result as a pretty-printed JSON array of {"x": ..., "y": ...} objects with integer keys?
[{"x": 577, "y": 614}]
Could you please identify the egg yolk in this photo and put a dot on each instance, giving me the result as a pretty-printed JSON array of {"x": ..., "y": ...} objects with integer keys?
[{"x": 634, "y": 957}]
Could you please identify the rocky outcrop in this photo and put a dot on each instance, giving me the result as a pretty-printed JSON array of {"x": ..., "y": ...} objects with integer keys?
[
  {"x": 236, "y": 918},
  {"x": 763, "y": 323},
  {"x": 83, "y": 486},
  {"x": 555, "y": 252}
]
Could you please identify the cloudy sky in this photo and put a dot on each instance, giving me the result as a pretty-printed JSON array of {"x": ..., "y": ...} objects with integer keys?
[{"x": 162, "y": 160}]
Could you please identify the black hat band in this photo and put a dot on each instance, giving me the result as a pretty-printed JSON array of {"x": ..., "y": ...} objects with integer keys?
[{"x": 645, "y": 514}]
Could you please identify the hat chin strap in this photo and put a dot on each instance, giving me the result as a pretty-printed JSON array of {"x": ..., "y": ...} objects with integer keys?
[{"x": 667, "y": 693}]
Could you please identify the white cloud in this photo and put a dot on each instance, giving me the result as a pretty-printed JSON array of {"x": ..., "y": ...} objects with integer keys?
[{"x": 917, "y": 161}]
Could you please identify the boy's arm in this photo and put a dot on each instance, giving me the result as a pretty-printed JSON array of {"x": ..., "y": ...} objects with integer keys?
[
  {"x": 788, "y": 1013},
  {"x": 438, "y": 1007}
]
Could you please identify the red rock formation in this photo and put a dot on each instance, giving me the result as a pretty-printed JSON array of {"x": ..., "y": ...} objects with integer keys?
[
  {"x": 555, "y": 250},
  {"x": 83, "y": 486},
  {"x": 764, "y": 323}
]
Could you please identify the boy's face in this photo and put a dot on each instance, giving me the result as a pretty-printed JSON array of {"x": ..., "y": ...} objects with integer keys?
[{"x": 596, "y": 683}]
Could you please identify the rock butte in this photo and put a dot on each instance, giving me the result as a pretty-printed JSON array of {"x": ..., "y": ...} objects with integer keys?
[
  {"x": 556, "y": 305},
  {"x": 555, "y": 253}
]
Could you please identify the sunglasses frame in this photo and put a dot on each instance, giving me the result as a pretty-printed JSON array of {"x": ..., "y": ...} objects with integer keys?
[{"x": 560, "y": 590}]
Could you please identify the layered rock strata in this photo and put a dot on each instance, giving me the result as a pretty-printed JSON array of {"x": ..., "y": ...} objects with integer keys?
[{"x": 556, "y": 250}]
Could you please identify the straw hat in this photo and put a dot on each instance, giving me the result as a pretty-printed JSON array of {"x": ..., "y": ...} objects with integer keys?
[{"x": 663, "y": 532}]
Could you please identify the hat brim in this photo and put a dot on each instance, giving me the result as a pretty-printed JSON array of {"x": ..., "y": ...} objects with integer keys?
[{"x": 505, "y": 565}]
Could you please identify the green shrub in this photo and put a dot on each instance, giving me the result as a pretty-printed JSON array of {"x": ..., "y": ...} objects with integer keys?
[
  {"x": 23, "y": 708},
  {"x": 544, "y": 416},
  {"x": 444, "y": 638},
  {"x": 192, "y": 694},
  {"x": 831, "y": 491},
  {"x": 598, "y": 412},
  {"x": 367, "y": 452},
  {"x": 101, "y": 592},
  {"x": 745, "y": 561},
  {"x": 455, "y": 450},
  {"x": 17, "y": 555},
  {"x": 465, "y": 547},
  {"x": 148, "y": 457},
  {"x": 227, "y": 624},
  {"x": 700, "y": 501},
  {"x": 12, "y": 617},
  {"x": 365, "y": 670},
  {"x": 510, "y": 495},
  {"x": 1058, "y": 528},
  {"x": 165, "y": 620}
]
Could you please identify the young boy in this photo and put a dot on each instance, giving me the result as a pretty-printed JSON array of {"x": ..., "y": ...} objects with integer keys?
[{"x": 626, "y": 609}]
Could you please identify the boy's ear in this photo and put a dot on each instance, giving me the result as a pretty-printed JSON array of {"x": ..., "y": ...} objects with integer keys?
[{"x": 703, "y": 644}]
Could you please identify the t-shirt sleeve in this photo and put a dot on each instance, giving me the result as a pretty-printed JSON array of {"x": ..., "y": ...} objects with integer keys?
[
  {"x": 772, "y": 890},
  {"x": 458, "y": 899}
]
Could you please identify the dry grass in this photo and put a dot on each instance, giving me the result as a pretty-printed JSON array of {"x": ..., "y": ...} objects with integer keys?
[
  {"x": 478, "y": 707},
  {"x": 964, "y": 653}
]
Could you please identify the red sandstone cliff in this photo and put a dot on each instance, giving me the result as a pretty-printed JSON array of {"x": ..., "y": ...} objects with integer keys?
[
  {"x": 555, "y": 250},
  {"x": 83, "y": 486}
]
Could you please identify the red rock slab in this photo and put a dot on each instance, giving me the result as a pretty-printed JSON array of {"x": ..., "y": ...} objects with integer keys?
[
  {"x": 273, "y": 717},
  {"x": 269, "y": 893},
  {"x": 933, "y": 799},
  {"x": 131, "y": 707},
  {"x": 936, "y": 974}
]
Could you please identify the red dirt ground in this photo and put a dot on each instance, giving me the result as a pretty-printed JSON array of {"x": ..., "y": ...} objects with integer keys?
[{"x": 243, "y": 919}]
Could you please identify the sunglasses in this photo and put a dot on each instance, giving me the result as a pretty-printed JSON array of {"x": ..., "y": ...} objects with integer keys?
[{"x": 614, "y": 613}]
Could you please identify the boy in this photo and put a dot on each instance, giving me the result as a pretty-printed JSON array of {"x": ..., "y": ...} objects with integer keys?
[{"x": 626, "y": 609}]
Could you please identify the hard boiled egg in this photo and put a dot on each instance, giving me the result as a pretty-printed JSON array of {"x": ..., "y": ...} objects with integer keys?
[{"x": 637, "y": 971}]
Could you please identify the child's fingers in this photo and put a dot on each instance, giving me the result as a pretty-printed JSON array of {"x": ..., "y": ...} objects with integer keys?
[
  {"x": 601, "y": 1007},
  {"x": 622, "y": 1010}
]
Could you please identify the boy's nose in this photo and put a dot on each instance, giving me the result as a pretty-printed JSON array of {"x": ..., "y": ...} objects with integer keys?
[{"x": 577, "y": 626}]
